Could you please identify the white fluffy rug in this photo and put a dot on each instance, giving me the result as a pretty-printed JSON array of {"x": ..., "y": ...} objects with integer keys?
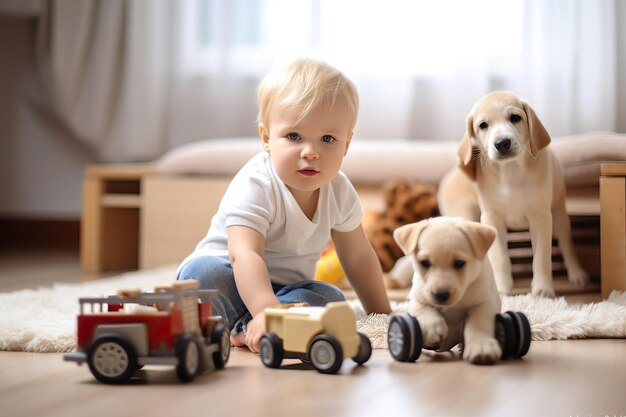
[{"x": 44, "y": 320}]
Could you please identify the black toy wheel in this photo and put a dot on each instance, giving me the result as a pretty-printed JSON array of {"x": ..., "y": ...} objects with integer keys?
[
  {"x": 506, "y": 335},
  {"x": 112, "y": 360},
  {"x": 404, "y": 338},
  {"x": 271, "y": 350},
  {"x": 221, "y": 336},
  {"x": 188, "y": 355},
  {"x": 326, "y": 354},
  {"x": 365, "y": 350},
  {"x": 416, "y": 334},
  {"x": 522, "y": 331},
  {"x": 398, "y": 338}
]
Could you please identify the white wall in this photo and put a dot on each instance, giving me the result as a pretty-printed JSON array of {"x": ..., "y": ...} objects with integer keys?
[{"x": 40, "y": 168}]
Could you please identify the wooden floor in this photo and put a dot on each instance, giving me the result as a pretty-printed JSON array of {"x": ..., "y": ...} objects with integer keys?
[{"x": 556, "y": 378}]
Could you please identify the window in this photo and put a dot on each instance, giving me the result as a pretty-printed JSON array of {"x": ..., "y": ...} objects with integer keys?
[
  {"x": 221, "y": 35},
  {"x": 368, "y": 37}
]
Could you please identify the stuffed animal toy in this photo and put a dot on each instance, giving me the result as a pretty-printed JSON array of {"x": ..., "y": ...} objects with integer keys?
[{"x": 405, "y": 203}]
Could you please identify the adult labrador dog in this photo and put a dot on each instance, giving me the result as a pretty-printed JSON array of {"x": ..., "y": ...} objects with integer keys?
[
  {"x": 508, "y": 177},
  {"x": 453, "y": 295}
]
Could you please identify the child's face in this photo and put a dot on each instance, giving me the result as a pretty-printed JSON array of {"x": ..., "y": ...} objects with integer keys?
[{"x": 307, "y": 154}]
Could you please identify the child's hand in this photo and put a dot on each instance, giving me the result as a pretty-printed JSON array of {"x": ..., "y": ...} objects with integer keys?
[{"x": 254, "y": 332}]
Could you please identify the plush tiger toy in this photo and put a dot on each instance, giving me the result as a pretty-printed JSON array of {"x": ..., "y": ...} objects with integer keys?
[{"x": 405, "y": 203}]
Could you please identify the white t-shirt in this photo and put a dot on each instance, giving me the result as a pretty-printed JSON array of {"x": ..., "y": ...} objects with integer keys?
[{"x": 258, "y": 198}]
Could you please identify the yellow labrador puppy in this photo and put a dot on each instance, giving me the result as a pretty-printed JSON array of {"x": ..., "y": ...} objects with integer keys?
[
  {"x": 507, "y": 173},
  {"x": 453, "y": 295}
]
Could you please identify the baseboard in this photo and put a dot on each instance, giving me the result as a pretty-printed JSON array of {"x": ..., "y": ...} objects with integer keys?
[{"x": 39, "y": 233}]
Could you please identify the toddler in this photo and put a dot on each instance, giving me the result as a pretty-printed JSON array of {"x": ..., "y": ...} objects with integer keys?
[{"x": 284, "y": 205}]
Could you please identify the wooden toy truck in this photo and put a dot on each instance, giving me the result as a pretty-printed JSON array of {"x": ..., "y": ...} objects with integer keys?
[
  {"x": 323, "y": 336},
  {"x": 171, "y": 326}
]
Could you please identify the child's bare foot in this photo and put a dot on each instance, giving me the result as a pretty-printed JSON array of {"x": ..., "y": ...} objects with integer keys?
[{"x": 238, "y": 340}]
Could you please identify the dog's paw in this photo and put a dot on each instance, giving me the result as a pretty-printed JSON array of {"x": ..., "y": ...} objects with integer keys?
[
  {"x": 578, "y": 276},
  {"x": 434, "y": 332},
  {"x": 546, "y": 291},
  {"x": 482, "y": 351}
]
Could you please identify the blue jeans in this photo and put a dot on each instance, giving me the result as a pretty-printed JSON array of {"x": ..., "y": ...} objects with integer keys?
[{"x": 213, "y": 272}]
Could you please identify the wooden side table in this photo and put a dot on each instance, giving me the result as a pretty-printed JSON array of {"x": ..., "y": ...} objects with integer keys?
[
  {"x": 613, "y": 227},
  {"x": 111, "y": 217}
]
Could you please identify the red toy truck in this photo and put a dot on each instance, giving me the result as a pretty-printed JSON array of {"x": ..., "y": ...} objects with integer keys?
[{"x": 171, "y": 326}]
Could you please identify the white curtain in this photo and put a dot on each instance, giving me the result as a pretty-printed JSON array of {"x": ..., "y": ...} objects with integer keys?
[
  {"x": 104, "y": 70},
  {"x": 134, "y": 78},
  {"x": 569, "y": 69}
]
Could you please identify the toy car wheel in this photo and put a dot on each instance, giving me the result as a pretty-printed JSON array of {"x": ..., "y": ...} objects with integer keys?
[
  {"x": 398, "y": 339},
  {"x": 271, "y": 350},
  {"x": 112, "y": 360},
  {"x": 188, "y": 356},
  {"x": 506, "y": 335},
  {"x": 416, "y": 337},
  {"x": 365, "y": 350},
  {"x": 522, "y": 332},
  {"x": 326, "y": 354},
  {"x": 404, "y": 338},
  {"x": 221, "y": 335}
]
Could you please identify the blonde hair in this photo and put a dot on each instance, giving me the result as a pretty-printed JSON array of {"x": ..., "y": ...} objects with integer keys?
[{"x": 306, "y": 83}]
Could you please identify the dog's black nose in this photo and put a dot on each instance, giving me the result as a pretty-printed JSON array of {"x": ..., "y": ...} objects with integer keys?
[
  {"x": 503, "y": 145},
  {"x": 441, "y": 296}
]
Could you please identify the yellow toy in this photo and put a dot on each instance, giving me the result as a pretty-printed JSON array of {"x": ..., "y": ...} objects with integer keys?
[{"x": 328, "y": 267}]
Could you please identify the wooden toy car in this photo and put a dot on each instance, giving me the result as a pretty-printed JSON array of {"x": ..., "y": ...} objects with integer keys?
[
  {"x": 323, "y": 336},
  {"x": 172, "y": 326},
  {"x": 404, "y": 336}
]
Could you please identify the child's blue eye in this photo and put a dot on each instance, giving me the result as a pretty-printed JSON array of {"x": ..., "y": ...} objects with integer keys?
[
  {"x": 293, "y": 136},
  {"x": 327, "y": 139}
]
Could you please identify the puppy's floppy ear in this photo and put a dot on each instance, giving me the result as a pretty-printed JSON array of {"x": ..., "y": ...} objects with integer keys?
[
  {"x": 467, "y": 162},
  {"x": 539, "y": 137},
  {"x": 481, "y": 236},
  {"x": 406, "y": 236}
]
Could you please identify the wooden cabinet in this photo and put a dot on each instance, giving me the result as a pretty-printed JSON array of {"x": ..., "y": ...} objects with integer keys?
[
  {"x": 110, "y": 217},
  {"x": 613, "y": 227},
  {"x": 176, "y": 213},
  {"x": 133, "y": 219}
]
